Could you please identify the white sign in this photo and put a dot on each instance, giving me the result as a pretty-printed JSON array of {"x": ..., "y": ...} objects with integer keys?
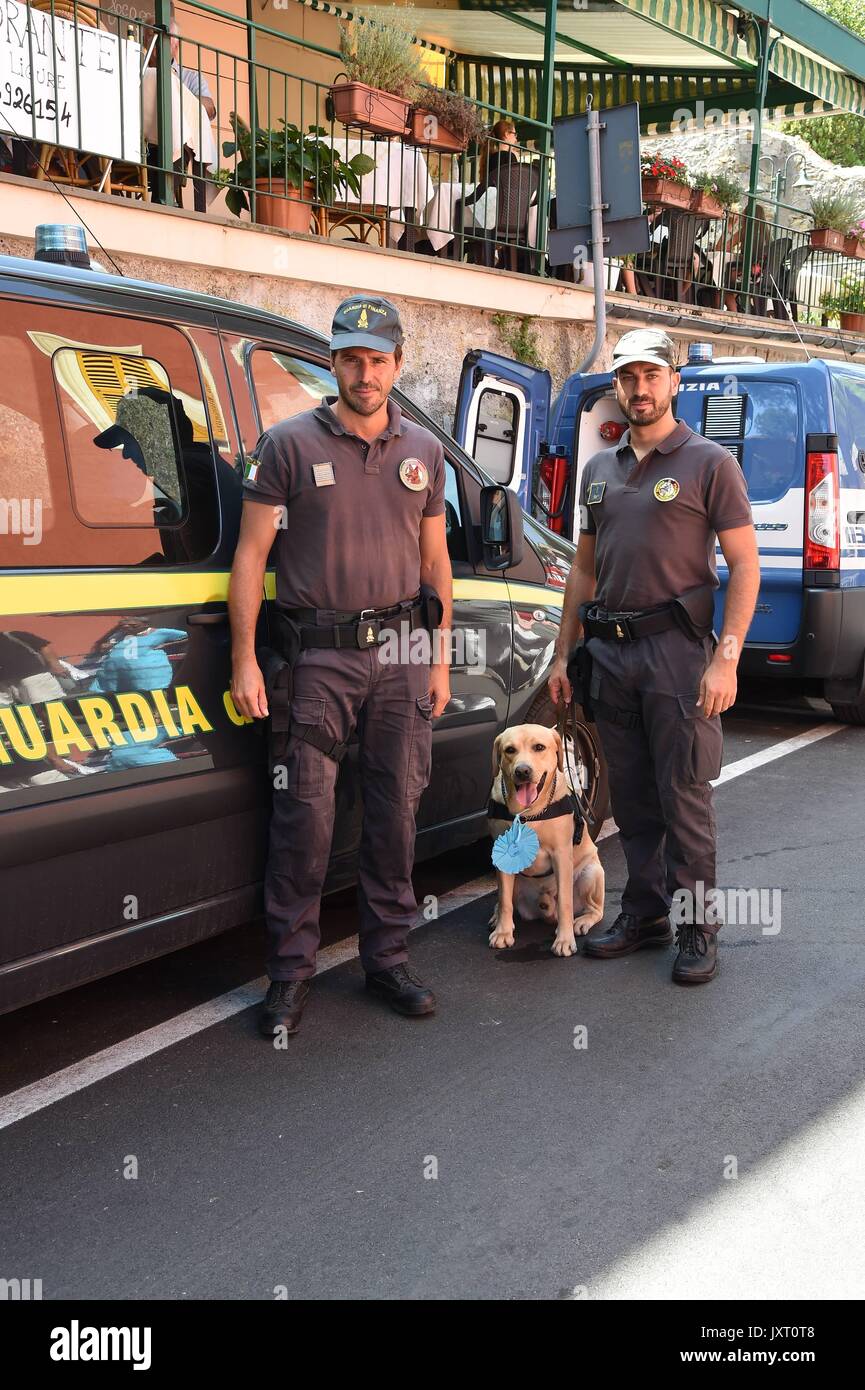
[{"x": 65, "y": 86}]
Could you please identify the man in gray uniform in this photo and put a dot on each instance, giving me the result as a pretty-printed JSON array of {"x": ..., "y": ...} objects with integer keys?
[
  {"x": 642, "y": 587},
  {"x": 353, "y": 493}
]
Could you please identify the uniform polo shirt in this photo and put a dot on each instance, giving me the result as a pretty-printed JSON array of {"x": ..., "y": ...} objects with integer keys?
[
  {"x": 349, "y": 533},
  {"x": 656, "y": 520}
]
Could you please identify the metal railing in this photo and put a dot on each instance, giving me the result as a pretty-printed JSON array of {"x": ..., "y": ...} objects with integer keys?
[
  {"x": 488, "y": 204},
  {"x": 481, "y": 203},
  {"x": 697, "y": 260}
]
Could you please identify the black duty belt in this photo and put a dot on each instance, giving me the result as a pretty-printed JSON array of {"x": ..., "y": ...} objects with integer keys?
[
  {"x": 320, "y": 627},
  {"x": 628, "y": 627}
]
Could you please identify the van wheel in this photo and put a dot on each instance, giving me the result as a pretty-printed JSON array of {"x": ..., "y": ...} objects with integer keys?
[
  {"x": 850, "y": 714},
  {"x": 584, "y": 760}
]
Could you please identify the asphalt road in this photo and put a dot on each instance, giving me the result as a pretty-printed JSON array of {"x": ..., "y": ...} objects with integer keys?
[{"x": 704, "y": 1143}]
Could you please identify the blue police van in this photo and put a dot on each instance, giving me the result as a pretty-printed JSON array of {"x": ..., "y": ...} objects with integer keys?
[{"x": 798, "y": 432}]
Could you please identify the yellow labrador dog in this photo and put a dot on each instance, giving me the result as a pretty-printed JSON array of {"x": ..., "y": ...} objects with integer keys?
[{"x": 565, "y": 884}]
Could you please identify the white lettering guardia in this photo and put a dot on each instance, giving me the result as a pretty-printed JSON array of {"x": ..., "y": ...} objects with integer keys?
[{"x": 77, "y": 1343}]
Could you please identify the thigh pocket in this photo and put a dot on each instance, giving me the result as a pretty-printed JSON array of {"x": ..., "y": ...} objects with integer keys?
[
  {"x": 420, "y": 751},
  {"x": 306, "y": 763},
  {"x": 701, "y": 742}
]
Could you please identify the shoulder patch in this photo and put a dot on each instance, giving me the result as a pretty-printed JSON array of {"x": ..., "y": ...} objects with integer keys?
[
  {"x": 250, "y": 468},
  {"x": 595, "y": 493}
]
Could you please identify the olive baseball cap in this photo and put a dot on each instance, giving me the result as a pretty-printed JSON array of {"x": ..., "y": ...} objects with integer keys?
[
  {"x": 366, "y": 321},
  {"x": 645, "y": 345}
]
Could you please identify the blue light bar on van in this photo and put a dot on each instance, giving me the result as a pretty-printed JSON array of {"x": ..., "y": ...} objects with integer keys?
[{"x": 700, "y": 352}]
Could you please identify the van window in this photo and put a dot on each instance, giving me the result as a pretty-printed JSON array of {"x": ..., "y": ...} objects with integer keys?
[
  {"x": 130, "y": 472},
  {"x": 772, "y": 462},
  {"x": 454, "y": 528},
  {"x": 145, "y": 494},
  {"x": 495, "y": 441},
  {"x": 848, "y": 395},
  {"x": 285, "y": 385}
]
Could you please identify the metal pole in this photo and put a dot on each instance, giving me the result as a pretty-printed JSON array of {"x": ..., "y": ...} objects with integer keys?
[
  {"x": 766, "y": 48},
  {"x": 165, "y": 138},
  {"x": 593, "y": 132},
  {"x": 546, "y": 115}
]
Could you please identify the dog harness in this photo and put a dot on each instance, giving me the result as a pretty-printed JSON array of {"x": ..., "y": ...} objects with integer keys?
[{"x": 565, "y": 806}]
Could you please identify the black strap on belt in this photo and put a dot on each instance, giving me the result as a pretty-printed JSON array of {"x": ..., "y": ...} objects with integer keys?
[
  {"x": 565, "y": 806},
  {"x": 357, "y": 630}
]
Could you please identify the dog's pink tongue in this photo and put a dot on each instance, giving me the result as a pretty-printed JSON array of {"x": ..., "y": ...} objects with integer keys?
[{"x": 526, "y": 794}]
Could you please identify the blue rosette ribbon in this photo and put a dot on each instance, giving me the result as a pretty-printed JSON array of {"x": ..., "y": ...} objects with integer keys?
[{"x": 516, "y": 848}]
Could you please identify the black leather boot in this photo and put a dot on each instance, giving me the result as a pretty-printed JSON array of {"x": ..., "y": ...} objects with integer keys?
[
  {"x": 628, "y": 933},
  {"x": 697, "y": 960},
  {"x": 283, "y": 1007},
  {"x": 403, "y": 991}
]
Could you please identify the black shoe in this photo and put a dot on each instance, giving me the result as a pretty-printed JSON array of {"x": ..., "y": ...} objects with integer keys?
[
  {"x": 403, "y": 990},
  {"x": 283, "y": 1007},
  {"x": 697, "y": 960},
  {"x": 628, "y": 933}
]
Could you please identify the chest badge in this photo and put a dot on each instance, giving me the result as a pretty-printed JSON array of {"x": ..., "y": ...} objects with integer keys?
[
  {"x": 666, "y": 489},
  {"x": 323, "y": 474},
  {"x": 413, "y": 474},
  {"x": 595, "y": 493}
]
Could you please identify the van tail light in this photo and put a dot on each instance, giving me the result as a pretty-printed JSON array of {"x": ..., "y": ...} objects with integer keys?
[
  {"x": 552, "y": 483},
  {"x": 822, "y": 550}
]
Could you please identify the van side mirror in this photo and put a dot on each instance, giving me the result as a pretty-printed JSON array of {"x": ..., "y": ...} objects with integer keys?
[{"x": 501, "y": 528}]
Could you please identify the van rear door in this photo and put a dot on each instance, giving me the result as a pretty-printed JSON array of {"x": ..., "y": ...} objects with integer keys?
[
  {"x": 761, "y": 421},
  {"x": 502, "y": 416}
]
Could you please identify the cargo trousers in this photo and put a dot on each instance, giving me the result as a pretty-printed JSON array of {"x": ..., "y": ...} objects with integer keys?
[
  {"x": 662, "y": 752},
  {"x": 338, "y": 692}
]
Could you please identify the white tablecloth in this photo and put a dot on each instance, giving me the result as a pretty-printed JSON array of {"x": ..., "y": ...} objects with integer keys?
[
  {"x": 439, "y": 214},
  {"x": 190, "y": 123},
  {"x": 400, "y": 178}
]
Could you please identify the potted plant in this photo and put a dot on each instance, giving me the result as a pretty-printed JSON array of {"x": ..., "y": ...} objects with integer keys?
[
  {"x": 665, "y": 181},
  {"x": 444, "y": 120},
  {"x": 290, "y": 171},
  {"x": 832, "y": 213},
  {"x": 847, "y": 303},
  {"x": 854, "y": 242},
  {"x": 383, "y": 71},
  {"x": 713, "y": 193}
]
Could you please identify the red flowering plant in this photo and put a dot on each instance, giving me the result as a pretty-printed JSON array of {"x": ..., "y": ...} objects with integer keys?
[{"x": 659, "y": 166}]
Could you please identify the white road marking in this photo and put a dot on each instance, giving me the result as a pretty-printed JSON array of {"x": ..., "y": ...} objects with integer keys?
[{"x": 60, "y": 1084}]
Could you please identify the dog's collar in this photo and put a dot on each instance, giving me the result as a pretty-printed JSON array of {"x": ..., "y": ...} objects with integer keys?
[{"x": 565, "y": 806}]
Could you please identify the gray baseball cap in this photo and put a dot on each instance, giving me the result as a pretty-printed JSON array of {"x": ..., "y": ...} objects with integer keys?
[
  {"x": 366, "y": 321},
  {"x": 645, "y": 345}
]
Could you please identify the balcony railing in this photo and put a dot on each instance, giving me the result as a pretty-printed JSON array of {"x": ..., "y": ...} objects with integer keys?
[{"x": 139, "y": 112}]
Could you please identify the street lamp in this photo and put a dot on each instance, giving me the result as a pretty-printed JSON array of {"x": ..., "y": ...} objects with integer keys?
[{"x": 780, "y": 175}]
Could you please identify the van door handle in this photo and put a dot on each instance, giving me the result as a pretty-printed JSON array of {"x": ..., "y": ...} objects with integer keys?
[{"x": 209, "y": 618}]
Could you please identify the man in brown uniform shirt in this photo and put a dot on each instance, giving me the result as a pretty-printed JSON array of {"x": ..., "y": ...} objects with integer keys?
[
  {"x": 354, "y": 494},
  {"x": 650, "y": 509}
]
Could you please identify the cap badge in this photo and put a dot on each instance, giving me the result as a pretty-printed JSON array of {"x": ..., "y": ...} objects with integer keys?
[
  {"x": 413, "y": 474},
  {"x": 363, "y": 321},
  {"x": 666, "y": 489}
]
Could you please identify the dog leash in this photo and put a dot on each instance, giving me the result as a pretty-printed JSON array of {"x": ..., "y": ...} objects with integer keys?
[{"x": 567, "y": 721}]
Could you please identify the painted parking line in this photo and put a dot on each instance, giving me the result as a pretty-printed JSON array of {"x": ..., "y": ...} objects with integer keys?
[{"x": 39, "y": 1094}]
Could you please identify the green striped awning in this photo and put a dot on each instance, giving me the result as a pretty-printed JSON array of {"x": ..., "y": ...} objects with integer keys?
[
  {"x": 707, "y": 25},
  {"x": 805, "y": 72}
]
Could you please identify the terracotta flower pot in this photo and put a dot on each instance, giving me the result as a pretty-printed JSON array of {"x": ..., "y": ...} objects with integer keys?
[
  {"x": 354, "y": 103},
  {"x": 705, "y": 204},
  {"x": 277, "y": 204},
  {"x": 665, "y": 192},
  {"x": 854, "y": 323},
  {"x": 854, "y": 247},
  {"x": 421, "y": 122},
  {"x": 825, "y": 239}
]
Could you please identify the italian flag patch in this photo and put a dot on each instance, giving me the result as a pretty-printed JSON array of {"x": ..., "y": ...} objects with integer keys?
[{"x": 250, "y": 469}]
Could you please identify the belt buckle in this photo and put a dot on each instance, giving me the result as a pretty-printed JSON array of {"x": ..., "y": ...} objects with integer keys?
[
  {"x": 367, "y": 631},
  {"x": 623, "y": 629}
]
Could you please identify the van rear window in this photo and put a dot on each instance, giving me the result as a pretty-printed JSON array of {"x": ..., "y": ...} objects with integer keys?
[{"x": 758, "y": 421}]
